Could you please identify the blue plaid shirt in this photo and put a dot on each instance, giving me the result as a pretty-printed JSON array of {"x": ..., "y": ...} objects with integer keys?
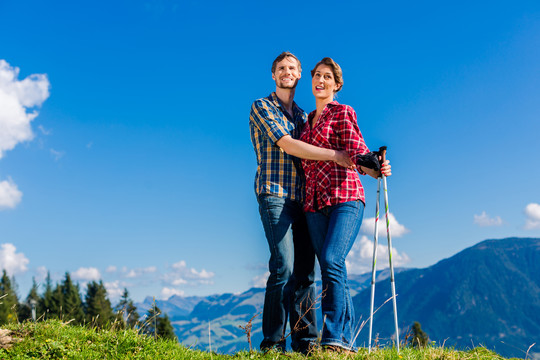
[{"x": 278, "y": 173}]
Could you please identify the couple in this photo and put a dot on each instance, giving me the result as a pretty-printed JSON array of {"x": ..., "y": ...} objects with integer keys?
[{"x": 311, "y": 203}]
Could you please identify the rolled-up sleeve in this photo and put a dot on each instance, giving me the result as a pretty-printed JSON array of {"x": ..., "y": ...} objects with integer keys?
[
  {"x": 264, "y": 117},
  {"x": 350, "y": 134}
]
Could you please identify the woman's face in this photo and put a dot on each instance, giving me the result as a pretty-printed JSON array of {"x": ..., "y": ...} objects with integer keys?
[{"x": 323, "y": 83}]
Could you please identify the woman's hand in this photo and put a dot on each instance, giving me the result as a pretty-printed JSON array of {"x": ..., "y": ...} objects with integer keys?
[{"x": 386, "y": 169}]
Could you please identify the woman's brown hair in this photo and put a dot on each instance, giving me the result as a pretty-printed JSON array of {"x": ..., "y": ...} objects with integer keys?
[{"x": 336, "y": 70}]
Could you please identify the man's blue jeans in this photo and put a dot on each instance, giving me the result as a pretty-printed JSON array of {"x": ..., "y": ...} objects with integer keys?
[
  {"x": 333, "y": 231},
  {"x": 290, "y": 289}
]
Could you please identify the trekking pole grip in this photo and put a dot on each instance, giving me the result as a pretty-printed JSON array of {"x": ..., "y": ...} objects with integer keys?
[{"x": 382, "y": 153}]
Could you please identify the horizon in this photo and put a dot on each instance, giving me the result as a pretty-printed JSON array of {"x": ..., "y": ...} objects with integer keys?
[{"x": 124, "y": 144}]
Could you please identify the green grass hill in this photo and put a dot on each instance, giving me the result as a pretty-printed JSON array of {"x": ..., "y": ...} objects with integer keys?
[{"x": 54, "y": 339}]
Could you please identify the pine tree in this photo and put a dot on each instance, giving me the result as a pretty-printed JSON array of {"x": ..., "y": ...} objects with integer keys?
[
  {"x": 158, "y": 324},
  {"x": 56, "y": 309},
  {"x": 419, "y": 337},
  {"x": 165, "y": 329},
  {"x": 97, "y": 306},
  {"x": 8, "y": 299},
  {"x": 33, "y": 299},
  {"x": 71, "y": 301},
  {"x": 46, "y": 304},
  {"x": 126, "y": 311}
]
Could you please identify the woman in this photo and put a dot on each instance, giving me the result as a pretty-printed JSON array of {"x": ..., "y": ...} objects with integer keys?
[{"x": 335, "y": 200}]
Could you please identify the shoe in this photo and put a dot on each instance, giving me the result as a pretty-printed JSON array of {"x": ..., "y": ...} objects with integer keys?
[
  {"x": 338, "y": 349},
  {"x": 279, "y": 347},
  {"x": 307, "y": 349}
]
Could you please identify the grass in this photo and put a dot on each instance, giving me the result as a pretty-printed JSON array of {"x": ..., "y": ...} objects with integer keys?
[{"x": 54, "y": 339}]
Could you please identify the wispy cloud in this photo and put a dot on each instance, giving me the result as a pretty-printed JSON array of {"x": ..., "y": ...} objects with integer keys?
[
  {"x": 41, "y": 273},
  {"x": 166, "y": 293},
  {"x": 259, "y": 281},
  {"x": 485, "y": 220},
  {"x": 396, "y": 229},
  {"x": 57, "y": 155},
  {"x": 360, "y": 257},
  {"x": 532, "y": 211},
  {"x": 138, "y": 272},
  {"x": 10, "y": 195},
  {"x": 180, "y": 274},
  {"x": 44, "y": 131},
  {"x": 12, "y": 261}
]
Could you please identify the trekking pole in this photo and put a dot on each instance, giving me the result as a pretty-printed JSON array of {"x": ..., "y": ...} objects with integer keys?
[
  {"x": 388, "y": 235},
  {"x": 374, "y": 263},
  {"x": 382, "y": 153}
]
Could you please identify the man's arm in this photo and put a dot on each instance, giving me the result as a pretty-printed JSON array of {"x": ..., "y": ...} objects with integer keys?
[{"x": 307, "y": 151}]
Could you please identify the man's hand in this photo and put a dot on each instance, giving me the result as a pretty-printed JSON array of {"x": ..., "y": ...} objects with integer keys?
[
  {"x": 386, "y": 169},
  {"x": 343, "y": 159}
]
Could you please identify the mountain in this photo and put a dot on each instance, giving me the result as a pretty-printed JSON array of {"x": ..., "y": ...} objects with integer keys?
[
  {"x": 223, "y": 315},
  {"x": 176, "y": 307},
  {"x": 488, "y": 294},
  {"x": 215, "y": 322}
]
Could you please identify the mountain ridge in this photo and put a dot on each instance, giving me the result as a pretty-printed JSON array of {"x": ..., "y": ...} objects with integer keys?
[{"x": 486, "y": 294}]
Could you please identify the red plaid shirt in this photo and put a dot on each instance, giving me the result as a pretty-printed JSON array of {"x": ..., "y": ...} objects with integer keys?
[{"x": 327, "y": 183}]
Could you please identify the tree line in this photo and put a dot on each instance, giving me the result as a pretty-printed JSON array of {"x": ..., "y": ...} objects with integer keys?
[{"x": 64, "y": 301}]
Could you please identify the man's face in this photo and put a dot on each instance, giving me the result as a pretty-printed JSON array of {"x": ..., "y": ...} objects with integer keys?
[{"x": 287, "y": 73}]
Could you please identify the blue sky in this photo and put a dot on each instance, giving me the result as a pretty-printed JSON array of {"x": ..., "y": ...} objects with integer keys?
[{"x": 136, "y": 166}]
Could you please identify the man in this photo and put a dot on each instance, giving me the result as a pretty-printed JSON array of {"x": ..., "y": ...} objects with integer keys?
[{"x": 275, "y": 123}]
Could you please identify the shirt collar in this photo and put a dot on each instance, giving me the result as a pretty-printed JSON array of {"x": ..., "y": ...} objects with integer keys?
[
  {"x": 297, "y": 111},
  {"x": 333, "y": 103},
  {"x": 330, "y": 104}
]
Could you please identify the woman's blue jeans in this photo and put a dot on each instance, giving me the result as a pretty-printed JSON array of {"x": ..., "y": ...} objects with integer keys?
[
  {"x": 290, "y": 289},
  {"x": 333, "y": 231}
]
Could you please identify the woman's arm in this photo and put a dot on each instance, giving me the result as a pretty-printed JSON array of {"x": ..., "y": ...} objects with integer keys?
[
  {"x": 347, "y": 128},
  {"x": 307, "y": 151},
  {"x": 386, "y": 169}
]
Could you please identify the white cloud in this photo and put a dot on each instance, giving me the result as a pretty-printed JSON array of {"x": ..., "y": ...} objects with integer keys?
[
  {"x": 360, "y": 257},
  {"x": 11, "y": 261},
  {"x": 87, "y": 274},
  {"x": 532, "y": 211},
  {"x": 10, "y": 195},
  {"x": 181, "y": 274},
  {"x": 111, "y": 269},
  {"x": 484, "y": 220},
  {"x": 396, "y": 229},
  {"x": 139, "y": 272},
  {"x": 16, "y": 98},
  {"x": 177, "y": 281},
  {"x": 260, "y": 280},
  {"x": 114, "y": 289},
  {"x": 166, "y": 293}
]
